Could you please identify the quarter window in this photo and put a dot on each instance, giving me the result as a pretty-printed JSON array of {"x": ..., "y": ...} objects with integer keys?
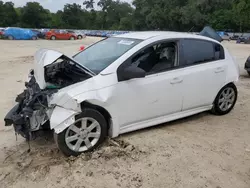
[{"x": 219, "y": 52}]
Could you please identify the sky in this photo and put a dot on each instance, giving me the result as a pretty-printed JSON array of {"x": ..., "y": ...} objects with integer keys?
[{"x": 52, "y": 5}]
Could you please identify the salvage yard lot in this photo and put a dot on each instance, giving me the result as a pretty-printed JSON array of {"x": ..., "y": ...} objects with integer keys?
[{"x": 200, "y": 151}]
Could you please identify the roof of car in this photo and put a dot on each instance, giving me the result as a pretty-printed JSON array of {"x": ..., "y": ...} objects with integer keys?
[{"x": 144, "y": 35}]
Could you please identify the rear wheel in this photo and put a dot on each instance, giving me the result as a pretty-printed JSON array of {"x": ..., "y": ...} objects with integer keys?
[
  {"x": 53, "y": 37},
  {"x": 34, "y": 38},
  {"x": 88, "y": 132},
  {"x": 225, "y": 100},
  {"x": 10, "y": 37},
  {"x": 79, "y": 36}
]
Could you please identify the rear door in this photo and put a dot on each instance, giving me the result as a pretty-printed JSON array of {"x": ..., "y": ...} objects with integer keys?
[
  {"x": 204, "y": 72},
  {"x": 64, "y": 35}
]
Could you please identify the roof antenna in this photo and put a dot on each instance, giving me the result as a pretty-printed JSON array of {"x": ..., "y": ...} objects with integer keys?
[{"x": 190, "y": 29}]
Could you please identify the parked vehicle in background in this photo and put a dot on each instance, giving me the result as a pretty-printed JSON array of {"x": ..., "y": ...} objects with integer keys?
[
  {"x": 99, "y": 33},
  {"x": 224, "y": 35},
  {"x": 15, "y": 33},
  {"x": 247, "y": 65},
  {"x": 85, "y": 98},
  {"x": 60, "y": 35},
  {"x": 244, "y": 39},
  {"x": 247, "y": 39},
  {"x": 234, "y": 37},
  {"x": 39, "y": 34},
  {"x": 79, "y": 34}
]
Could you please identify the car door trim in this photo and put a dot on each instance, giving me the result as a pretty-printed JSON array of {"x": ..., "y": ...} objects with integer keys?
[{"x": 163, "y": 119}]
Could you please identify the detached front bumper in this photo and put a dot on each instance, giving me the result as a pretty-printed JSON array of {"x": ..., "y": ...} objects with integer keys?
[
  {"x": 10, "y": 117},
  {"x": 20, "y": 121},
  {"x": 30, "y": 112}
]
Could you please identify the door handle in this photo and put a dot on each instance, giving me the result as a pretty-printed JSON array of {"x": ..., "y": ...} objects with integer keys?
[
  {"x": 176, "y": 80},
  {"x": 219, "y": 69}
]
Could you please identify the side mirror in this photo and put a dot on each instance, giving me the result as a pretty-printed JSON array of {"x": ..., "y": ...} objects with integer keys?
[{"x": 131, "y": 72}]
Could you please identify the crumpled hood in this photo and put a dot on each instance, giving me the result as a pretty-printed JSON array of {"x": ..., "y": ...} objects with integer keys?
[{"x": 44, "y": 57}]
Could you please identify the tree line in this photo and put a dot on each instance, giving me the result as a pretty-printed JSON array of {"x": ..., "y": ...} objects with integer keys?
[{"x": 176, "y": 15}]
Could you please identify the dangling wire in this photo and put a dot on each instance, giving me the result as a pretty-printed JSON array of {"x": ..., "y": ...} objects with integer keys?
[{"x": 16, "y": 136}]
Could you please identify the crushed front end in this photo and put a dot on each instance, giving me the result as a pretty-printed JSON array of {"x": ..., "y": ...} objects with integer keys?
[
  {"x": 52, "y": 71},
  {"x": 30, "y": 112}
]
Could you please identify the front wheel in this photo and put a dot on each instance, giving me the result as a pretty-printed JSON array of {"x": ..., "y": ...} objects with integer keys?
[
  {"x": 72, "y": 38},
  {"x": 225, "y": 100},
  {"x": 88, "y": 132},
  {"x": 79, "y": 37}
]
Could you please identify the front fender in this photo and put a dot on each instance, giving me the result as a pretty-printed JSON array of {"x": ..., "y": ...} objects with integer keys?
[
  {"x": 61, "y": 118},
  {"x": 68, "y": 107},
  {"x": 65, "y": 110}
]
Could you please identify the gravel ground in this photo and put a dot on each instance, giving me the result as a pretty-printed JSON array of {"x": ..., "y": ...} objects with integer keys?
[{"x": 195, "y": 152}]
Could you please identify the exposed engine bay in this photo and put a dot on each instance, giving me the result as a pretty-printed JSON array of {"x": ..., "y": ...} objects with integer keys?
[
  {"x": 63, "y": 73},
  {"x": 32, "y": 111}
]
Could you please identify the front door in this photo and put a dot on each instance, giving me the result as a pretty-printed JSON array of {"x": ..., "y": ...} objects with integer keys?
[{"x": 156, "y": 95}]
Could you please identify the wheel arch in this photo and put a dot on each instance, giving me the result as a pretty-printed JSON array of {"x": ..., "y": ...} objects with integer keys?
[
  {"x": 112, "y": 130},
  {"x": 52, "y": 36},
  {"x": 229, "y": 83},
  {"x": 103, "y": 111}
]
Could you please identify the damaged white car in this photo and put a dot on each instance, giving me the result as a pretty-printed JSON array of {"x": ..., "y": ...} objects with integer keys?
[{"x": 124, "y": 83}]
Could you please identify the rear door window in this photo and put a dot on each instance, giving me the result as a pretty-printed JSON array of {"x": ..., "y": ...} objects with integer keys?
[{"x": 201, "y": 51}]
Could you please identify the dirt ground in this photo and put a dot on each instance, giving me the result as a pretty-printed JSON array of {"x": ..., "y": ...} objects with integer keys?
[{"x": 196, "y": 152}]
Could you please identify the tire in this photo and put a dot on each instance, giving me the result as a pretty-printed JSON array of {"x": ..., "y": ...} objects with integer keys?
[
  {"x": 248, "y": 73},
  {"x": 100, "y": 130},
  {"x": 79, "y": 37},
  {"x": 34, "y": 38},
  {"x": 53, "y": 37},
  {"x": 72, "y": 38},
  {"x": 223, "y": 97},
  {"x": 10, "y": 37}
]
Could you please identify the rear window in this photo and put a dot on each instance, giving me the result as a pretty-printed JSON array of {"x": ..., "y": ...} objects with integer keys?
[{"x": 201, "y": 51}]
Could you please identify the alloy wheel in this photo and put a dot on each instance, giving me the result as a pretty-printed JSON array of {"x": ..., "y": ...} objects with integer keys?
[
  {"x": 226, "y": 99},
  {"x": 83, "y": 134}
]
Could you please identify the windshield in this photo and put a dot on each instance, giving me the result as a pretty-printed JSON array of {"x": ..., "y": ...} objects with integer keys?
[{"x": 100, "y": 55}]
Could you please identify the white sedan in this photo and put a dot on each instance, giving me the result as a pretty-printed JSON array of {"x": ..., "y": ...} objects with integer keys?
[{"x": 122, "y": 84}]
